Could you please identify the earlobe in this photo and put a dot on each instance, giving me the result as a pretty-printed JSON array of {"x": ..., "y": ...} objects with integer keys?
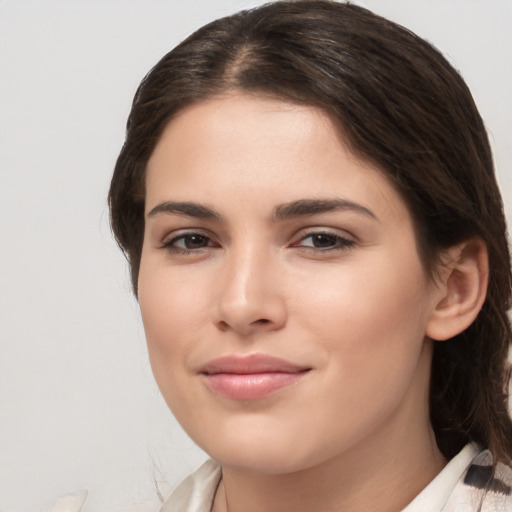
[{"x": 462, "y": 288}]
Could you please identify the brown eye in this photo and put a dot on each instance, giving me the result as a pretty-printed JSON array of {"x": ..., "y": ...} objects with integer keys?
[
  {"x": 321, "y": 240},
  {"x": 195, "y": 241},
  {"x": 325, "y": 241},
  {"x": 188, "y": 242}
]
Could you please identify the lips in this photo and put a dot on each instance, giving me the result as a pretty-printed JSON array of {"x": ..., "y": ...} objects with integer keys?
[{"x": 250, "y": 377}]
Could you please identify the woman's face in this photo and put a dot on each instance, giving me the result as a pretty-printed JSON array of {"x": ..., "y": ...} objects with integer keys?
[{"x": 283, "y": 298}]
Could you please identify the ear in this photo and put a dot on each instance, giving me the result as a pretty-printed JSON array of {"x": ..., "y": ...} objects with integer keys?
[{"x": 461, "y": 289}]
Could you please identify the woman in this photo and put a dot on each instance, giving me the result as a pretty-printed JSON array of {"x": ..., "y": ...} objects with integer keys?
[{"x": 307, "y": 201}]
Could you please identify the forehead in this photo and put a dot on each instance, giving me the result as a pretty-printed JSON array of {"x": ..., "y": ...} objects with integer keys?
[
  {"x": 241, "y": 145},
  {"x": 223, "y": 123}
]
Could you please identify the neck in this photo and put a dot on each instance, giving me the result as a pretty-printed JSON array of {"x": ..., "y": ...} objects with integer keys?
[{"x": 353, "y": 482}]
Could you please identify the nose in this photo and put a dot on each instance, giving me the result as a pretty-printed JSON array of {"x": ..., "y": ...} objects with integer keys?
[{"x": 250, "y": 298}]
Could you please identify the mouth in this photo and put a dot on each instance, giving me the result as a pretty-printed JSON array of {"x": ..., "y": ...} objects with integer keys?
[{"x": 250, "y": 377}]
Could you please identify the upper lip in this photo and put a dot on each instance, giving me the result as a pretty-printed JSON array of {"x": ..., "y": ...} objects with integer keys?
[{"x": 251, "y": 364}]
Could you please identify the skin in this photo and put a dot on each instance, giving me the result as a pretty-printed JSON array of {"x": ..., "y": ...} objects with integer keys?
[{"x": 341, "y": 292}]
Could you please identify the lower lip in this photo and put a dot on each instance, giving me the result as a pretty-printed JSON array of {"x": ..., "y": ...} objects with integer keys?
[{"x": 251, "y": 386}]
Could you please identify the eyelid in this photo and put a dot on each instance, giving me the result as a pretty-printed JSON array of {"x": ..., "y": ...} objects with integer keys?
[
  {"x": 180, "y": 234},
  {"x": 344, "y": 239},
  {"x": 324, "y": 230}
]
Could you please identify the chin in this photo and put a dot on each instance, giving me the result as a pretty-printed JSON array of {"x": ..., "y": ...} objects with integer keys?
[
  {"x": 260, "y": 459},
  {"x": 265, "y": 450}
]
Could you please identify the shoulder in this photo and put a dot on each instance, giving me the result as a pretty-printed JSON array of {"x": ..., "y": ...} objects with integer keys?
[
  {"x": 196, "y": 492},
  {"x": 70, "y": 502},
  {"x": 481, "y": 489},
  {"x": 467, "y": 484}
]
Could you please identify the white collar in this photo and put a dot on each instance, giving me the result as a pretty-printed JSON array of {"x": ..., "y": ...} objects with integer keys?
[
  {"x": 196, "y": 493},
  {"x": 437, "y": 493}
]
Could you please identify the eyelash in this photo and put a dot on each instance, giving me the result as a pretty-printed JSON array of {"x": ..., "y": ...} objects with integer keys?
[
  {"x": 340, "y": 243},
  {"x": 171, "y": 247}
]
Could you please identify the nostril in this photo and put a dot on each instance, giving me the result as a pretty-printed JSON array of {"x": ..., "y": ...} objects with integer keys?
[{"x": 223, "y": 326}]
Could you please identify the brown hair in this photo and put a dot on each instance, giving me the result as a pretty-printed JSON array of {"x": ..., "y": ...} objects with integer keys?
[{"x": 400, "y": 105}]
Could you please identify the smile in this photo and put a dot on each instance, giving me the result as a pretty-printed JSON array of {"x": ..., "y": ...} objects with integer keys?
[{"x": 250, "y": 377}]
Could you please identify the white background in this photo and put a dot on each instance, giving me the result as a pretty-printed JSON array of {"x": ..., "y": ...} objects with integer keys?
[{"x": 78, "y": 405}]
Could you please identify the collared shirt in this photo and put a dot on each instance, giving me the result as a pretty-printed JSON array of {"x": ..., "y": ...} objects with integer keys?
[{"x": 464, "y": 485}]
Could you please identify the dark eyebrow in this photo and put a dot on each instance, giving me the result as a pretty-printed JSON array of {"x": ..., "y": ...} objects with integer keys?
[
  {"x": 304, "y": 207},
  {"x": 301, "y": 207},
  {"x": 185, "y": 208}
]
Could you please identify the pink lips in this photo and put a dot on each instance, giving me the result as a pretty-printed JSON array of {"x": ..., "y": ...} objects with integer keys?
[{"x": 250, "y": 377}]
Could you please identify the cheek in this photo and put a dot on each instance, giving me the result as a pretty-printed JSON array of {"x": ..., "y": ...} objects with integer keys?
[
  {"x": 371, "y": 331},
  {"x": 171, "y": 301},
  {"x": 172, "y": 314},
  {"x": 371, "y": 321}
]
